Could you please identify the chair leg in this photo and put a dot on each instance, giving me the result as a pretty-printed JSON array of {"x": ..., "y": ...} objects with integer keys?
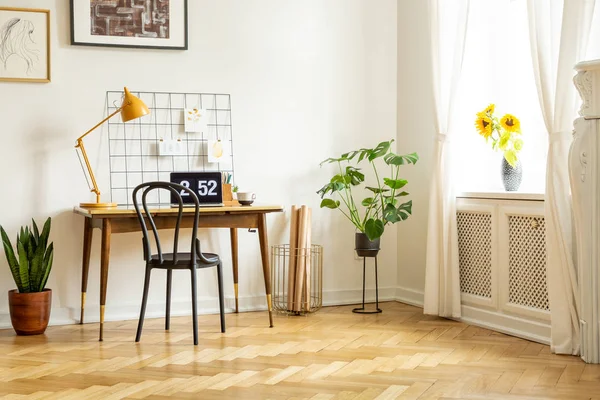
[
  {"x": 144, "y": 303},
  {"x": 221, "y": 299},
  {"x": 168, "y": 311},
  {"x": 194, "y": 306}
]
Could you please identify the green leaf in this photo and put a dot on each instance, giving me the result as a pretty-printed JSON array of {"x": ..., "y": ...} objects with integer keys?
[
  {"x": 329, "y": 203},
  {"x": 395, "y": 183},
  {"x": 45, "y": 235},
  {"x": 390, "y": 213},
  {"x": 377, "y": 190},
  {"x": 511, "y": 157},
  {"x": 47, "y": 266},
  {"x": 350, "y": 155},
  {"x": 381, "y": 149},
  {"x": 390, "y": 200},
  {"x": 331, "y": 188},
  {"x": 395, "y": 159},
  {"x": 36, "y": 232},
  {"x": 338, "y": 179},
  {"x": 356, "y": 177},
  {"x": 404, "y": 210},
  {"x": 23, "y": 267},
  {"x": 363, "y": 154},
  {"x": 518, "y": 144},
  {"x": 374, "y": 228},
  {"x": 36, "y": 271},
  {"x": 10, "y": 257},
  {"x": 367, "y": 202},
  {"x": 504, "y": 139}
]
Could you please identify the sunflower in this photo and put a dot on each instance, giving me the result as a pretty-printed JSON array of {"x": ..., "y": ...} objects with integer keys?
[
  {"x": 483, "y": 123},
  {"x": 510, "y": 123},
  {"x": 489, "y": 110}
]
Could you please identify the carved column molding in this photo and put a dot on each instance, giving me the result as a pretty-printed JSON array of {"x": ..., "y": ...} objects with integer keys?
[{"x": 584, "y": 171}]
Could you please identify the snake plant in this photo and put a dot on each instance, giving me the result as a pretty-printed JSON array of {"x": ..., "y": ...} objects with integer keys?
[{"x": 31, "y": 268}]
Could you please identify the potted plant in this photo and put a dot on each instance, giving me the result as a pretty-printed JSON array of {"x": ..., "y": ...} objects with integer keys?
[
  {"x": 30, "y": 304},
  {"x": 505, "y": 135},
  {"x": 381, "y": 206}
]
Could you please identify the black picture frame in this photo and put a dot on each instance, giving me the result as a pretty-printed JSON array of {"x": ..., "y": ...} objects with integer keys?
[{"x": 77, "y": 40}]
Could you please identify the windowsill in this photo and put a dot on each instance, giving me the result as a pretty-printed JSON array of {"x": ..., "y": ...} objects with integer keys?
[{"x": 502, "y": 195}]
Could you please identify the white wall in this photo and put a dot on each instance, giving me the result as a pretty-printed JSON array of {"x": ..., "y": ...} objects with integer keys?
[
  {"x": 308, "y": 80},
  {"x": 416, "y": 132}
]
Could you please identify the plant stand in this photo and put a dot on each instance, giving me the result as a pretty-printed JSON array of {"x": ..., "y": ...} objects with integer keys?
[{"x": 361, "y": 310}]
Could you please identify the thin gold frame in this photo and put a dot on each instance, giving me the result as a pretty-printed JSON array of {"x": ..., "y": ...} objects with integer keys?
[{"x": 48, "y": 46}]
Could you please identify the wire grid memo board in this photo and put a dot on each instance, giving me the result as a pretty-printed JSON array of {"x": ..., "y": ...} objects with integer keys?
[{"x": 133, "y": 146}]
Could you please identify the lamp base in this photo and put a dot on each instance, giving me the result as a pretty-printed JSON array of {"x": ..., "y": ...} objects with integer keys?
[{"x": 98, "y": 205}]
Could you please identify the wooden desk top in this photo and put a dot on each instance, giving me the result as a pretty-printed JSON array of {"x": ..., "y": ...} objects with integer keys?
[{"x": 167, "y": 210}]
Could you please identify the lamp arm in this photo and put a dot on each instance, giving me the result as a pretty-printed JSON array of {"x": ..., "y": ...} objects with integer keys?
[
  {"x": 100, "y": 123},
  {"x": 79, "y": 145},
  {"x": 95, "y": 188}
]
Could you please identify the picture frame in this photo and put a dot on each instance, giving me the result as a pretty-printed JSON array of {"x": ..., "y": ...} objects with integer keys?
[
  {"x": 130, "y": 24},
  {"x": 25, "y": 45}
]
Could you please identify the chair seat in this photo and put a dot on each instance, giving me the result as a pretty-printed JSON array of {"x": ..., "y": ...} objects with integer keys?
[{"x": 184, "y": 260}]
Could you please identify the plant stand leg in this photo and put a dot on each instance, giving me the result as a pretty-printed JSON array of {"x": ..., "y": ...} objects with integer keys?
[{"x": 361, "y": 310}]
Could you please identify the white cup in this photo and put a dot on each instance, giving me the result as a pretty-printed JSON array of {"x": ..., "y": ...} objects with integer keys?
[{"x": 246, "y": 197}]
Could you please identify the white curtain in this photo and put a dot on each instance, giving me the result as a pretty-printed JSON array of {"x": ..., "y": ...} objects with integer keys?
[
  {"x": 448, "y": 26},
  {"x": 559, "y": 32}
]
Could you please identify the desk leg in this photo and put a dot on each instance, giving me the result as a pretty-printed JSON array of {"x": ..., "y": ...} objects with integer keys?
[
  {"x": 104, "y": 258},
  {"x": 264, "y": 253},
  {"x": 88, "y": 232},
  {"x": 234, "y": 259}
]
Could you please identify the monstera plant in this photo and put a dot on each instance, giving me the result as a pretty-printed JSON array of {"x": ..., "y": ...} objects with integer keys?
[
  {"x": 30, "y": 304},
  {"x": 381, "y": 201}
]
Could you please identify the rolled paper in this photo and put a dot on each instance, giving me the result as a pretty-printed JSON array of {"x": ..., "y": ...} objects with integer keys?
[
  {"x": 293, "y": 259},
  {"x": 308, "y": 260},
  {"x": 301, "y": 265}
]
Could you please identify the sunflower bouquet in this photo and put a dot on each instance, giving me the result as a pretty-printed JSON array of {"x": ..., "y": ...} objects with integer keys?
[{"x": 505, "y": 133}]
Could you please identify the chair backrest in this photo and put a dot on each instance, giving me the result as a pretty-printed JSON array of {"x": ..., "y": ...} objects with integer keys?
[{"x": 176, "y": 190}]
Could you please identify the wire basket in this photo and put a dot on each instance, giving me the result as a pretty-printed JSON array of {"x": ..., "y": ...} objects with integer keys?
[{"x": 311, "y": 298}]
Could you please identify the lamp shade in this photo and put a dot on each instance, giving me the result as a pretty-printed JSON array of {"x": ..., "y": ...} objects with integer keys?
[{"x": 132, "y": 107}]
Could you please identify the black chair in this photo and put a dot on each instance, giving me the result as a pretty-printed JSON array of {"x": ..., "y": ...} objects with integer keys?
[{"x": 176, "y": 260}]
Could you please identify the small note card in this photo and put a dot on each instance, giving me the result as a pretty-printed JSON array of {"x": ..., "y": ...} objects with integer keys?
[
  {"x": 171, "y": 147},
  {"x": 217, "y": 151},
  {"x": 195, "y": 119}
]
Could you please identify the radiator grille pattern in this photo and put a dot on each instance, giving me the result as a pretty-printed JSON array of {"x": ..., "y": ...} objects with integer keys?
[
  {"x": 475, "y": 253},
  {"x": 527, "y": 262}
]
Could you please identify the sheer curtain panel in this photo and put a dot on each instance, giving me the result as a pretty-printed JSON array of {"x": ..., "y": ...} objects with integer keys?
[
  {"x": 448, "y": 26},
  {"x": 559, "y": 31}
]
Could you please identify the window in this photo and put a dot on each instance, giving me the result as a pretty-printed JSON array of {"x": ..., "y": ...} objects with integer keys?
[{"x": 497, "y": 68}]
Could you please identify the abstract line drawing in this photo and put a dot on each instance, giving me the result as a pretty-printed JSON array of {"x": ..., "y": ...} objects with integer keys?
[
  {"x": 130, "y": 18},
  {"x": 24, "y": 44},
  {"x": 16, "y": 39}
]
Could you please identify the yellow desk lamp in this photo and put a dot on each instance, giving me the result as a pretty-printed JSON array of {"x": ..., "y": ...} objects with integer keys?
[{"x": 132, "y": 108}]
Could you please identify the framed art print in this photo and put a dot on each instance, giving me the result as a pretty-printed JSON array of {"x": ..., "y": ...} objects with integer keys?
[
  {"x": 24, "y": 45},
  {"x": 130, "y": 23}
]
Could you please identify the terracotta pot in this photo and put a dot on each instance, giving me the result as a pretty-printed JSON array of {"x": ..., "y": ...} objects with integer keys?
[{"x": 30, "y": 312}]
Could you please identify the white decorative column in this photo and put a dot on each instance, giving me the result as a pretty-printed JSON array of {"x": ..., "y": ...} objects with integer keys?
[{"x": 584, "y": 171}]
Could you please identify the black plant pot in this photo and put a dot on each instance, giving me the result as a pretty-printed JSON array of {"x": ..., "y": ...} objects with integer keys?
[
  {"x": 511, "y": 177},
  {"x": 365, "y": 247}
]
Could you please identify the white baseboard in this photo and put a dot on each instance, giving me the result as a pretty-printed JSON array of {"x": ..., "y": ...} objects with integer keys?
[
  {"x": 511, "y": 325},
  {"x": 206, "y": 305},
  {"x": 536, "y": 331},
  {"x": 533, "y": 330},
  {"x": 410, "y": 296}
]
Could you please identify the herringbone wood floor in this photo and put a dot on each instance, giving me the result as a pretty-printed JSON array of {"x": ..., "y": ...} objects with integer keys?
[{"x": 333, "y": 354}]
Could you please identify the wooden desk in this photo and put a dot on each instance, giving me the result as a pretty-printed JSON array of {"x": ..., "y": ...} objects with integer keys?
[{"x": 122, "y": 220}]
